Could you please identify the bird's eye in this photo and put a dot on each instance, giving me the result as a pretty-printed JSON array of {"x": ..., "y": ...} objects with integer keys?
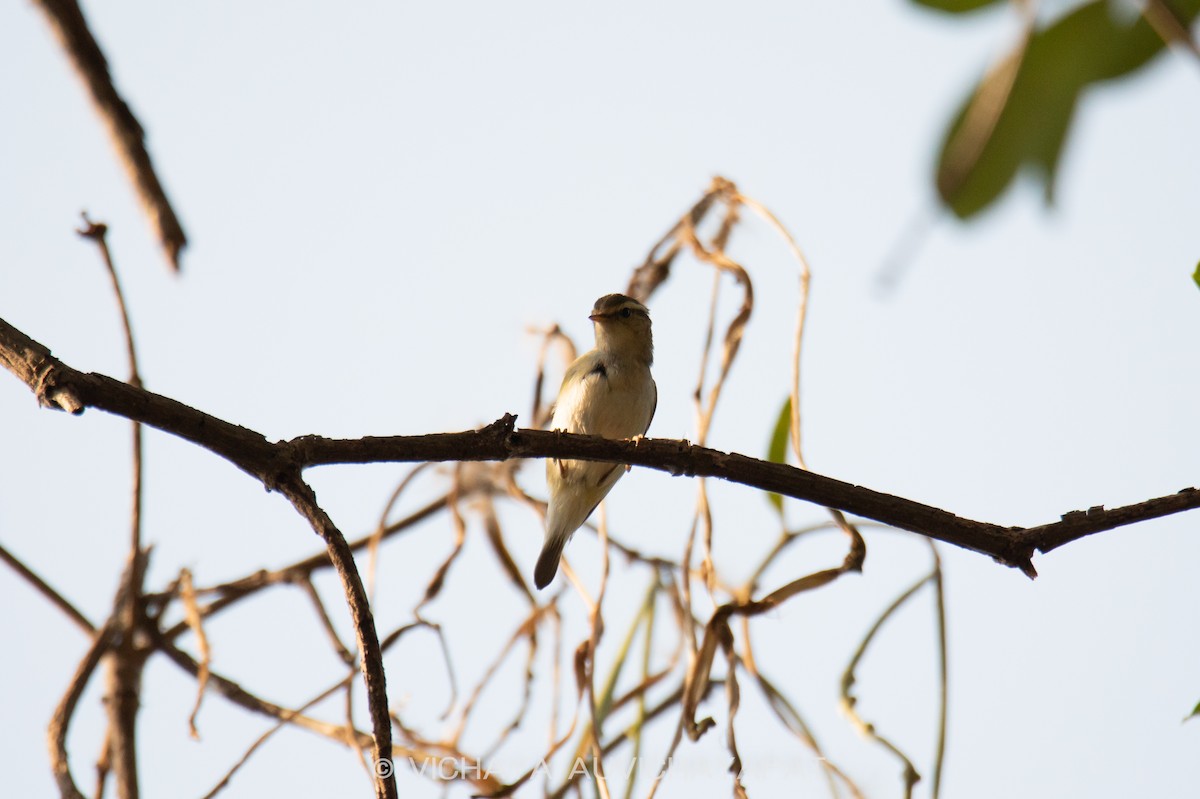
[{"x": 626, "y": 313}]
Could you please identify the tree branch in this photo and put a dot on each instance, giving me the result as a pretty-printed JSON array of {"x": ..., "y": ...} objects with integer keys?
[
  {"x": 45, "y": 589},
  {"x": 68, "y": 23},
  {"x": 276, "y": 465},
  {"x": 125, "y": 662},
  {"x": 304, "y": 500},
  {"x": 60, "y": 763}
]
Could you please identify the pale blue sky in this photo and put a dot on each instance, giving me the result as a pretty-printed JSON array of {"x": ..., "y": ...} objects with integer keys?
[{"x": 383, "y": 198}]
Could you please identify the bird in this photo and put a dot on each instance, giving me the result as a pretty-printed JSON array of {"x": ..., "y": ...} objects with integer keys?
[{"x": 606, "y": 392}]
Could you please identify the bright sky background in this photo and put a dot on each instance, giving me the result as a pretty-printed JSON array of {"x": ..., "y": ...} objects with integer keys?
[{"x": 382, "y": 198}]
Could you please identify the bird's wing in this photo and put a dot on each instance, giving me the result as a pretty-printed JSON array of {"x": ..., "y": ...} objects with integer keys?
[
  {"x": 584, "y": 380},
  {"x": 653, "y": 406}
]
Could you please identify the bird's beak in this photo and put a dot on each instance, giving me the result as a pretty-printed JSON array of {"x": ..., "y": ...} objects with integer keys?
[{"x": 596, "y": 317}]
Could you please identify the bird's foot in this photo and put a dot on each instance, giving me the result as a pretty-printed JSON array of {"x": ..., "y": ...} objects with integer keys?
[{"x": 636, "y": 440}]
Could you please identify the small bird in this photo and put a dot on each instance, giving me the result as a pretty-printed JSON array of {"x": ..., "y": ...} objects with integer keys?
[{"x": 607, "y": 392}]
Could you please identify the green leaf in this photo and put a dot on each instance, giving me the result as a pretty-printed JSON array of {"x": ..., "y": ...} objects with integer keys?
[
  {"x": 1020, "y": 113},
  {"x": 777, "y": 449},
  {"x": 1195, "y": 712},
  {"x": 1196, "y": 274},
  {"x": 956, "y": 6}
]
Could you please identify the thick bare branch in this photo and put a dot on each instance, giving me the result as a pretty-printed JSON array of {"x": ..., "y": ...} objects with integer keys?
[
  {"x": 56, "y": 385},
  {"x": 276, "y": 465},
  {"x": 305, "y": 502},
  {"x": 68, "y": 23}
]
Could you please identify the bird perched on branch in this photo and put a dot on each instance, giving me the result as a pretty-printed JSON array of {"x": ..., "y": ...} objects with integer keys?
[{"x": 607, "y": 392}]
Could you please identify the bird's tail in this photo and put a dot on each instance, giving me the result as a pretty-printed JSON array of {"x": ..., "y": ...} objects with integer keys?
[
  {"x": 547, "y": 563},
  {"x": 572, "y": 501}
]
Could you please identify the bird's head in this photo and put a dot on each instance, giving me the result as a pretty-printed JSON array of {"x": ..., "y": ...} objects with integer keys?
[{"x": 623, "y": 327}]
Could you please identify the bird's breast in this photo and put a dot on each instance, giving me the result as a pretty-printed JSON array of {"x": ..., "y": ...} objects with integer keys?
[{"x": 623, "y": 403}]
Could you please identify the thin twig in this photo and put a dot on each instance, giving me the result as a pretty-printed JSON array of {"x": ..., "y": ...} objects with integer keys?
[
  {"x": 276, "y": 727},
  {"x": 670, "y": 702},
  {"x": 236, "y": 590},
  {"x": 44, "y": 588},
  {"x": 305, "y": 583},
  {"x": 382, "y": 527},
  {"x": 733, "y": 697},
  {"x": 596, "y": 625},
  {"x": 526, "y": 629},
  {"x": 60, "y": 722},
  {"x": 648, "y": 611},
  {"x": 243, "y": 698},
  {"x": 795, "y": 723},
  {"x": 939, "y": 615},
  {"x": 125, "y": 661},
  {"x": 460, "y": 536},
  {"x": 849, "y": 701},
  {"x": 191, "y": 610}
]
